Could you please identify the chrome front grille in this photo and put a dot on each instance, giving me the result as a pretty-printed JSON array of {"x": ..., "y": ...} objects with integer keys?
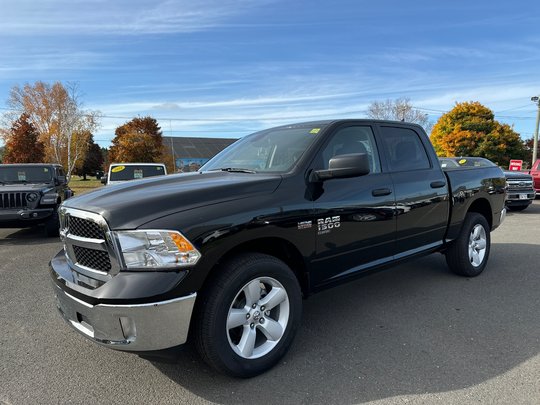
[
  {"x": 89, "y": 245},
  {"x": 94, "y": 259},
  {"x": 84, "y": 228},
  {"x": 519, "y": 184},
  {"x": 13, "y": 200}
]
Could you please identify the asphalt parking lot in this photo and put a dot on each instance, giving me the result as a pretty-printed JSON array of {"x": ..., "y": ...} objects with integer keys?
[{"x": 413, "y": 334}]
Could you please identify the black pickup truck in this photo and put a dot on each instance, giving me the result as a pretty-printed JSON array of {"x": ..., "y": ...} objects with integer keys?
[
  {"x": 225, "y": 255},
  {"x": 30, "y": 194}
]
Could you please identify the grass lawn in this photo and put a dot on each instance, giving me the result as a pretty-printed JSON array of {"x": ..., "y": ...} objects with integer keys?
[{"x": 80, "y": 186}]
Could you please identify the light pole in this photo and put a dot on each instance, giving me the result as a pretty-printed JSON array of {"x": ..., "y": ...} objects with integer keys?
[{"x": 536, "y": 99}]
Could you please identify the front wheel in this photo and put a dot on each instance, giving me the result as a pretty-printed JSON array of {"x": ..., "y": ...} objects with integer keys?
[
  {"x": 468, "y": 254},
  {"x": 248, "y": 317},
  {"x": 52, "y": 225}
]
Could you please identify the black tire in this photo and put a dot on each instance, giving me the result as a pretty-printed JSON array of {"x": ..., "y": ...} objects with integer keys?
[
  {"x": 458, "y": 257},
  {"x": 218, "y": 343},
  {"x": 52, "y": 226},
  {"x": 517, "y": 207}
]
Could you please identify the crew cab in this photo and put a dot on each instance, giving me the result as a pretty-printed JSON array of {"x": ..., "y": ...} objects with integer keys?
[
  {"x": 225, "y": 255},
  {"x": 120, "y": 172},
  {"x": 30, "y": 194}
]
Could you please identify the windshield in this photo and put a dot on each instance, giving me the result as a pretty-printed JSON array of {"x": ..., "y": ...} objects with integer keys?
[
  {"x": 132, "y": 172},
  {"x": 272, "y": 150},
  {"x": 25, "y": 174},
  {"x": 466, "y": 162}
]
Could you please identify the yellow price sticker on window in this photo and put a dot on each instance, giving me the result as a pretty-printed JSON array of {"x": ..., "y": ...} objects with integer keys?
[
  {"x": 315, "y": 131},
  {"x": 117, "y": 169},
  {"x": 462, "y": 161}
]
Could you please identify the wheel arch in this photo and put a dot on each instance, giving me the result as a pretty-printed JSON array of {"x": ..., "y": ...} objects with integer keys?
[
  {"x": 272, "y": 246},
  {"x": 482, "y": 207}
]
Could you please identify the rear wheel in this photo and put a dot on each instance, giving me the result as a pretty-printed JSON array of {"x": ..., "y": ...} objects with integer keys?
[
  {"x": 247, "y": 319},
  {"x": 469, "y": 253}
]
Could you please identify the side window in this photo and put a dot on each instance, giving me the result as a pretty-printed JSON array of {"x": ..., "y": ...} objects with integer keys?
[
  {"x": 405, "y": 149},
  {"x": 357, "y": 139}
]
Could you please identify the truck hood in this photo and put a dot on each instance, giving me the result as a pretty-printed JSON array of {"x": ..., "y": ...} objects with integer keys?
[
  {"x": 517, "y": 175},
  {"x": 132, "y": 204},
  {"x": 21, "y": 187}
]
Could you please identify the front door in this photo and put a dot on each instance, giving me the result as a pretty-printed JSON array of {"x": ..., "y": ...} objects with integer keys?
[{"x": 354, "y": 216}]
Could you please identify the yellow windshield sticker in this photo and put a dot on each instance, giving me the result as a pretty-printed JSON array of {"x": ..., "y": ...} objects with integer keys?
[
  {"x": 462, "y": 161},
  {"x": 315, "y": 131},
  {"x": 46, "y": 170},
  {"x": 117, "y": 169}
]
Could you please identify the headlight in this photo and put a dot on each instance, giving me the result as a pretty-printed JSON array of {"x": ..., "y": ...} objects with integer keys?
[
  {"x": 156, "y": 249},
  {"x": 49, "y": 199},
  {"x": 31, "y": 197}
]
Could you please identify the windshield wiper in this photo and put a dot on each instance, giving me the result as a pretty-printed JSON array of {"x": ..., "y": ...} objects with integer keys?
[{"x": 234, "y": 169}]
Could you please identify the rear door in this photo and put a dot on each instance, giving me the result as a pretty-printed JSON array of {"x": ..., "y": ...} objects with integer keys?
[
  {"x": 421, "y": 189},
  {"x": 354, "y": 217}
]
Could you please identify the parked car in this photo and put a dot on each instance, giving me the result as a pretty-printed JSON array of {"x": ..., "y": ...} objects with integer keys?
[
  {"x": 30, "y": 194},
  {"x": 225, "y": 255},
  {"x": 121, "y": 172},
  {"x": 520, "y": 192},
  {"x": 535, "y": 173},
  {"x": 452, "y": 162}
]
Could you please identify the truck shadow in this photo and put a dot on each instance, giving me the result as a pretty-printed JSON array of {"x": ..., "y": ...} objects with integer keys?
[
  {"x": 414, "y": 329},
  {"x": 532, "y": 209},
  {"x": 25, "y": 236}
]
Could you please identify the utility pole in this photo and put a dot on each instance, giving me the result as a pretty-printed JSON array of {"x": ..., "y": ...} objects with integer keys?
[
  {"x": 172, "y": 148},
  {"x": 536, "y": 99}
]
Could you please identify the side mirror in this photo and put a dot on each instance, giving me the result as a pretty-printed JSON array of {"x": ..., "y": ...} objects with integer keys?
[
  {"x": 104, "y": 180},
  {"x": 61, "y": 180},
  {"x": 343, "y": 166}
]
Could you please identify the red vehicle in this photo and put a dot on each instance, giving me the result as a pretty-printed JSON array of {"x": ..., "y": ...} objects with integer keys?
[{"x": 535, "y": 173}]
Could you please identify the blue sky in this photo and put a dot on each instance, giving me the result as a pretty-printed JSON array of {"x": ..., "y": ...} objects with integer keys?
[{"x": 226, "y": 68}]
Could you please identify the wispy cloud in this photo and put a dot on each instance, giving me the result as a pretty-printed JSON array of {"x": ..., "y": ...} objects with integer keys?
[
  {"x": 129, "y": 17},
  {"x": 19, "y": 64}
]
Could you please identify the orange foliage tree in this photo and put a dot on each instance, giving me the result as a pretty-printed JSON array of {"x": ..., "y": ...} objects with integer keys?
[
  {"x": 57, "y": 114},
  {"x": 22, "y": 144},
  {"x": 470, "y": 129},
  {"x": 139, "y": 140}
]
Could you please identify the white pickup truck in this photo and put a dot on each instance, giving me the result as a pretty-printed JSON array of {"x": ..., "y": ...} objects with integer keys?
[{"x": 120, "y": 172}]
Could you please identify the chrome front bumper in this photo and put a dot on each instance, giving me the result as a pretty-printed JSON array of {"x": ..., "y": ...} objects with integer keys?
[{"x": 141, "y": 327}]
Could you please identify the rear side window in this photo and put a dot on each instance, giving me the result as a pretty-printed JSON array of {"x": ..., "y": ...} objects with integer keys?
[{"x": 405, "y": 149}]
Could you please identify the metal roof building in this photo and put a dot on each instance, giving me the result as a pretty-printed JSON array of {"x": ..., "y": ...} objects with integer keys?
[{"x": 191, "y": 153}]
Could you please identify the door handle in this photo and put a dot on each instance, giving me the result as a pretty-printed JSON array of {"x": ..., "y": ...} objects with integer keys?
[
  {"x": 379, "y": 192},
  {"x": 438, "y": 184}
]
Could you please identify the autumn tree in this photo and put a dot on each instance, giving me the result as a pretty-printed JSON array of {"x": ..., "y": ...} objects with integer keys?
[
  {"x": 58, "y": 115},
  {"x": 22, "y": 144},
  {"x": 399, "y": 109},
  {"x": 529, "y": 146},
  {"x": 139, "y": 140},
  {"x": 470, "y": 129},
  {"x": 93, "y": 160}
]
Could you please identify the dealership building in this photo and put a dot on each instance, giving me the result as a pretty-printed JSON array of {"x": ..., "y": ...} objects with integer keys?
[{"x": 191, "y": 153}]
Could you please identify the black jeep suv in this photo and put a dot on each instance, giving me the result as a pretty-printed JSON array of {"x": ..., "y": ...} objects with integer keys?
[{"x": 30, "y": 194}]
